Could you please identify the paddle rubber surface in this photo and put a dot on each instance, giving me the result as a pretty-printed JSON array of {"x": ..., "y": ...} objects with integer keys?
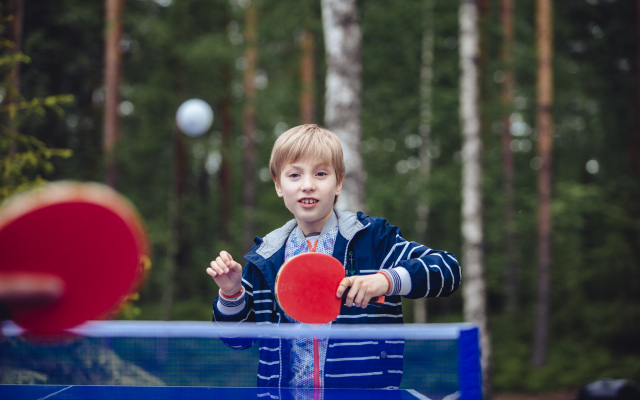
[
  {"x": 85, "y": 234},
  {"x": 306, "y": 288}
]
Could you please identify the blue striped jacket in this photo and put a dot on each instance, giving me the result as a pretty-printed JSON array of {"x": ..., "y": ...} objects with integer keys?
[{"x": 364, "y": 245}]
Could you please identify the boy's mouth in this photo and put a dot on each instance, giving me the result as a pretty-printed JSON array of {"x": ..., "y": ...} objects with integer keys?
[{"x": 308, "y": 201}]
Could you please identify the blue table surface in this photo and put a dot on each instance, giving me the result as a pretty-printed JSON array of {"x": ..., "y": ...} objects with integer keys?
[{"x": 65, "y": 392}]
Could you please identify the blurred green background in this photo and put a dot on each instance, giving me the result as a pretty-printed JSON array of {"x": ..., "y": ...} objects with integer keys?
[{"x": 176, "y": 50}]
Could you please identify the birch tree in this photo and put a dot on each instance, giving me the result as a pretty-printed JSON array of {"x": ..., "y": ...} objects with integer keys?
[
  {"x": 474, "y": 292},
  {"x": 343, "y": 38}
]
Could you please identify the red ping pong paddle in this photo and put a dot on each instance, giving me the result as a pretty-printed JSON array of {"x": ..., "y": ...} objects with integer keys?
[
  {"x": 306, "y": 287},
  {"x": 70, "y": 252}
]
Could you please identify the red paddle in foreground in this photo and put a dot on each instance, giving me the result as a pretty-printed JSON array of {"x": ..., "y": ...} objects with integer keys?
[{"x": 69, "y": 253}]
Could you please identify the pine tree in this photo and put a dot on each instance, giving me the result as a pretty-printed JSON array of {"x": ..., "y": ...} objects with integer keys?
[{"x": 25, "y": 160}]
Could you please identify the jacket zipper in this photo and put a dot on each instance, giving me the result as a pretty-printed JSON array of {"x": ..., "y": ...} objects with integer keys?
[{"x": 346, "y": 250}]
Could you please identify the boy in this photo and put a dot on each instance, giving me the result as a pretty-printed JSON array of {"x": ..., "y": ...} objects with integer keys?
[{"x": 307, "y": 168}]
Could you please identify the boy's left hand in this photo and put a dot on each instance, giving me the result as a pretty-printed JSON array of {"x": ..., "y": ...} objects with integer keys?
[{"x": 363, "y": 288}]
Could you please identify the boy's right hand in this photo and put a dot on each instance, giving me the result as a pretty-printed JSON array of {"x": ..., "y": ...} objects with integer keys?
[{"x": 227, "y": 273}]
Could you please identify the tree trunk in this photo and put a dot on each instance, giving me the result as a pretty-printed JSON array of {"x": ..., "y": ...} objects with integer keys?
[
  {"x": 251, "y": 54},
  {"x": 14, "y": 34},
  {"x": 545, "y": 139},
  {"x": 474, "y": 291},
  {"x": 173, "y": 247},
  {"x": 113, "y": 66},
  {"x": 506, "y": 13},
  {"x": 343, "y": 38},
  {"x": 307, "y": 72},
  {"x": 225, "y": 165},
  {"x": 226, "y": 130},
  {"x": 635, "y": 156},
  {"x": 177, "y": 188},
  {"x": 426, "y": 116}
]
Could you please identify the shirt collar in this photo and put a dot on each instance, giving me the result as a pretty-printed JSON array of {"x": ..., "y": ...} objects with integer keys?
[{"x": 331, "y": 223}]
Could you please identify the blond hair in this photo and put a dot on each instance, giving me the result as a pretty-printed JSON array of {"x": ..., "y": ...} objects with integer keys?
[{"x": 308, "y": 142}]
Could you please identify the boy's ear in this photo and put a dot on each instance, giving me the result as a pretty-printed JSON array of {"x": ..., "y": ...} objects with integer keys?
[
  {"x": 278, "y": 188},
  {"x": 339, "y": 184}
]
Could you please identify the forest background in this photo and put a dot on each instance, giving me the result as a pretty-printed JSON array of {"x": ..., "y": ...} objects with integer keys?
[{"x": 191, "y": 192}]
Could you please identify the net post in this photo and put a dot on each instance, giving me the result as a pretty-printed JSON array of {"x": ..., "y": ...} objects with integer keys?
[{"x": 469, "y": 369}]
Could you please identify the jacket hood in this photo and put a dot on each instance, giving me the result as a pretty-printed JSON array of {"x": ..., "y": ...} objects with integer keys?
[{"x": 348, "y": 225}]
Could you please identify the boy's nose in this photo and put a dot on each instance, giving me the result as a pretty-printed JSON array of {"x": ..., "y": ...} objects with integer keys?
[{"x": 307, "y": 185}]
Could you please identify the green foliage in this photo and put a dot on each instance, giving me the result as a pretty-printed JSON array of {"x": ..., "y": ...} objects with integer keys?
[
  {"x": 573, "y": 361},
  {"x": 595, "y": 225},
  {"x": 24, "y": 159},
  {"x": 11, "y": 59}
]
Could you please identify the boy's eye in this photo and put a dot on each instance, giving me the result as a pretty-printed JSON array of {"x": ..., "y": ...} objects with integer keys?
[
  {"x": 294, "y": 175},
  {"x": 322, "y": 174}
]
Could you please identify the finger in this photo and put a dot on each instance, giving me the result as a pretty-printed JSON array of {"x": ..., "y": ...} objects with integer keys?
[
  {"x": 361, "y": 292},
  {"x": 344, "y": 284},
  {"x": 350, "y": 300},
  {"x": 235, "y": 266},
  {"x": 223, "y": 264},
  {"x": 214, "y": 266},
  {"x": 218, "y": 266},
  {"x": 358, "y": 297},
  {"x": 363, "y": 298},
  {"x": 226, "y": 256},
  {"x": 211, "y": 272}
]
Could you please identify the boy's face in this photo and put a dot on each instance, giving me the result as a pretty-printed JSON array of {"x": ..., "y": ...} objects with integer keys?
[{"x": 308, "y": 189}]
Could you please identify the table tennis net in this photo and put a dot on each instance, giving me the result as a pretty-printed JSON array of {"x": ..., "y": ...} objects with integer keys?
[{"x": 439, "y": 360}]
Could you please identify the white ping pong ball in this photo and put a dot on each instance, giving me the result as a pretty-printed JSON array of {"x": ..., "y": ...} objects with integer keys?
[{"x": 194, "y": 117}]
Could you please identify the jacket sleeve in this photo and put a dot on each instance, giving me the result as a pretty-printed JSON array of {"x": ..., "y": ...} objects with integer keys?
[{"x": 415, "y": 270}]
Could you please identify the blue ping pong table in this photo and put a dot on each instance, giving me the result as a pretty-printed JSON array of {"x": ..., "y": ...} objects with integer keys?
[{"x": 73, "y": 392}]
